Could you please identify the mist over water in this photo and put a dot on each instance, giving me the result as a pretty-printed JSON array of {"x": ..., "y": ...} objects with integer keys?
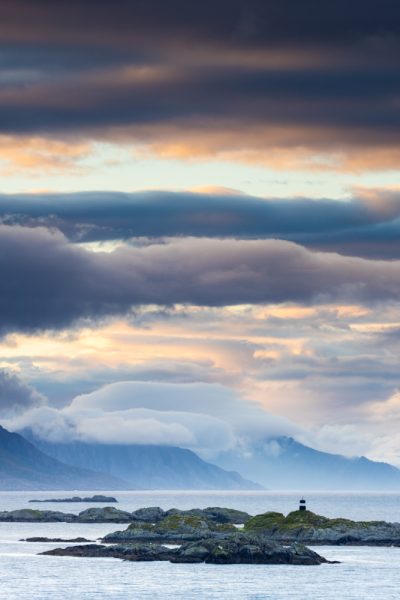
[{"x": 25, "y": 575}]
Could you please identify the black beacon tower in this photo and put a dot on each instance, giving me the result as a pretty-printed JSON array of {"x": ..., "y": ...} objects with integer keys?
[{"x": 302, "y": 504}]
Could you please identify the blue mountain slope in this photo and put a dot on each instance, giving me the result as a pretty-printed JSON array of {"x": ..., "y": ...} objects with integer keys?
[
  {"x": 283, "y": 463},
  {"x": 146, "y": 466},
  {"x": 24, "y": 467}
]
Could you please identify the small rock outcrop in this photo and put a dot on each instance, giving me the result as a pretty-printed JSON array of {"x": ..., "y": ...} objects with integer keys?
[
  {"x": 236, "y": 549},
  {"x": 78, "y": 540},
  {"x": 151, "y": 514},
  {"x": 28, "y": 515},
  {"x": 95, "y": 498},
  {"x": 107, "y": 514},
  {"x": 217, "y": 514},
  {"x": 307, "y": 527}
]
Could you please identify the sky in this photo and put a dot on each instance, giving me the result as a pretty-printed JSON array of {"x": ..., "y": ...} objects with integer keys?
[{"x": 200, "y": 222}]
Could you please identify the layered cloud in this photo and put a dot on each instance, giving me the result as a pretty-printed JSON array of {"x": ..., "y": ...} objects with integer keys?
[
  {"x": 252, "y": 81},
  {"x": 49, "y": 282},
  {"x": 366, "y": 225},
  {"x": 206, "y": 418}
]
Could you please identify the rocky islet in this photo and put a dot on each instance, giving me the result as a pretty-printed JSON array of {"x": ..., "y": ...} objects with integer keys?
[
  {"x": 95, "y": 498},
  {"x": 307, "y": 527},
  {"x": 211, "y": 535},
  {"x": 237, "y": 548}
]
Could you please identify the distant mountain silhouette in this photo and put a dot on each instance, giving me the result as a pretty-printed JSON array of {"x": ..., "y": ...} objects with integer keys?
[
  {"x": 283, "y": 463},
  {"x": 145, "y": 466},
  {"x": 24, "y": 467}
]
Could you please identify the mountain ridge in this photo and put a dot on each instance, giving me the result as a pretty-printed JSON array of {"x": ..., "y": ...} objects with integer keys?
[
  {"x": 145, "y": 466},
  {"x": 25, "y": 467},
  {"x": 284, "y": 463}
]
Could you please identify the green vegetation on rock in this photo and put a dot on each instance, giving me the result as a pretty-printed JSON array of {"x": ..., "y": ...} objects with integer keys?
[
  {"x": 183, "y": 522},
  {"x": 301, "y": 519},
  {"x": 268, "y": 520}
]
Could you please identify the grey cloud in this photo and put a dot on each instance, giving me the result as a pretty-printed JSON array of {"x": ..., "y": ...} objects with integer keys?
[
  {"x": 226, "y": 23},
  {"x": 47, "y": 282},
  {"x": 346, "y": 81},
  {"x": 356, "y": 107},
  {"x": 15, "y": 395},
  {"x": 362, "y": 226}
]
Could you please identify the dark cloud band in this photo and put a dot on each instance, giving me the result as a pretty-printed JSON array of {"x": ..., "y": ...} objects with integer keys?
[
  {"x": 69, "y": 68},
  {"x": 47, "y": 282},
  {"x": 368, "y": 225}
]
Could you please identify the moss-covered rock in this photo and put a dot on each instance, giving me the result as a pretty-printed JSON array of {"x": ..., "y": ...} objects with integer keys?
[
  {"x": 28, "y": 515},
  {"x": 104, "y": 515},
  {"x": 310, "y": 528},
  {"x": 226, "y": 515},
  {"x": 174, "y": 528},
  {"x": 217, "y": 514},
  {"x": 268, "y": 520},
  {"x": 149, "y": 514}
]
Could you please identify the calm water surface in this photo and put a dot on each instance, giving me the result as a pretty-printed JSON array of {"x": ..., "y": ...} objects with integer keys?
[{"x": 363, "y": 572}]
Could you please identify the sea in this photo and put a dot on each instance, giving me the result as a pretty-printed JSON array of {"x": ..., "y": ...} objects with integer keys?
[{"x": 363, "y": 572}]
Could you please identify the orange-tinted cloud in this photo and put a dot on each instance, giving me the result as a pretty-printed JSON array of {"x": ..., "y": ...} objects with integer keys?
[{"x": 49, "y": 155}]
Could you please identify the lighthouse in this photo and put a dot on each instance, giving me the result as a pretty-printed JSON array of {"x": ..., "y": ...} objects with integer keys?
[{"x": 302, "y": 504}]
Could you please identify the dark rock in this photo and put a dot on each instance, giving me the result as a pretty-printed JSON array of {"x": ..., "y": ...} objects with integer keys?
[
  {"x": 214, "y": 513},
  {"x": 27, "y": 515},
  {"x": 152, "y": 514},
  {"x": 235, "y": 549},
  {"x": 107, "y": 514},
  {"x": 78, "y": 540},
  {"x": 227, "y": 515},
  {"x": 89, "y": 550},
  {"x": 242, "y": 549},
  {"x": 132, "y": 552}
]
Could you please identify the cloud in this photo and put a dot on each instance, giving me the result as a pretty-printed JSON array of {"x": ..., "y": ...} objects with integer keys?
[
  {"x": 302, "y": 86},
  {"x": 32, "y": 153},
  {"x": 15, "y": 395},
  {"x": 49, "y": 282},
  {"x": 207, "y": 418},
  {"x": 366, "y": 225}
]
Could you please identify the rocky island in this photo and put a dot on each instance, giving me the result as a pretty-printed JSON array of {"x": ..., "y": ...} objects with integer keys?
[
  {"x": 237, "y": 548},
  {"x": 107, "y": 514},
  {"x": 173, "y": 529},
  {"x": 212, "y": 535},
  {"x": 306, "y": 527},
  {"x": 110, "y": 514},
  {"x": 95, "y": 498},
  {"x": 157, "y": 526},
  {"x": 78, "y": 540},
  {"x": 299, "y": 526}
]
